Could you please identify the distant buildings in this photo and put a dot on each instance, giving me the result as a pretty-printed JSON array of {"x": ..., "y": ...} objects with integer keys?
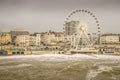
[
  {"x": 110, "y": 39},
  {"x": 110, "y": 43},
  {"x": 47, "y": 40},
  {"x": 23, "y": 39}
]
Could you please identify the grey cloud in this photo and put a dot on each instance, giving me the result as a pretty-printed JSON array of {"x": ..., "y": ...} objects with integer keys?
[{"x": 42, "y": 15}]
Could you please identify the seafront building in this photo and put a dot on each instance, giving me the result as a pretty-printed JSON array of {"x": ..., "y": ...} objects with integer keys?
[
  {"x": 53, "y": 38},
  {"x": 32, "y": 40},
  {"x": 37, "y": 38},
  {"x": 21, "y": 39},
  {"x": 110, "y": 43},
  {"x": 6, "y": 38},
  {"x": 110, "y": 39},
  {"x": 48, "y": 38}
]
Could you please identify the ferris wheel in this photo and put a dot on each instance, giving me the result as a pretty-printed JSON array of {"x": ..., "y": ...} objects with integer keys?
[{"x": 83, "y": 27}]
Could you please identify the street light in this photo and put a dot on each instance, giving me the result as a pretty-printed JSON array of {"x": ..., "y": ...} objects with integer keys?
[{"x": 0, "y": 41}]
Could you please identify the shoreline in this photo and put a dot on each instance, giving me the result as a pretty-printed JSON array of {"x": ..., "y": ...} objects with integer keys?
[
  {"x": 55, "y": 52},
  {"x": 59, "y": 54}
]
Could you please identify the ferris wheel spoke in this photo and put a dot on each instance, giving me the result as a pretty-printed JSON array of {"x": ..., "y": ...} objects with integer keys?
[
  {"x": 83, "y": 16},
  {"x": 92, "y": 25},
  {"x": 87, "y": 17}
]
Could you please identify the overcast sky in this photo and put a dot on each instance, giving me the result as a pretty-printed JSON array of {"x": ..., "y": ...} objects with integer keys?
[{"x": 44, "y": 15}]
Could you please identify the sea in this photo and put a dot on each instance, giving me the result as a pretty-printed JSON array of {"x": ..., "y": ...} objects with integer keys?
[{"x": 60, "y": 67}]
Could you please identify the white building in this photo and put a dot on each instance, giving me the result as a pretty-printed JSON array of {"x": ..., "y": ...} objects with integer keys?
[
  {"x": 20, "y": 38},
  {"x": 48, "y": 38},
  {"x": 37, "y": 37},
  {"x": 110, "y": 39},
  {"x": 32, "y": 40}
]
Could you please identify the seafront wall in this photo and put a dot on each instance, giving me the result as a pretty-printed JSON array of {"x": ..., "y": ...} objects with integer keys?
[{"x": 43, "y": 52}]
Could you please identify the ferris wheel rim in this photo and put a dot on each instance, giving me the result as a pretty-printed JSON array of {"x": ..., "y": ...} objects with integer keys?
[{"x": 84, "y": 11}]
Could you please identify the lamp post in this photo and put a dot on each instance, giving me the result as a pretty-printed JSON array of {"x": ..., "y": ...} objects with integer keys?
[{"x": 0, "y": 41}]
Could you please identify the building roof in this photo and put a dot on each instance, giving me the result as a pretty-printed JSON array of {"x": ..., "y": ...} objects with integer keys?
[
  {"x": 19, "y": 32},
  {"x": 110, "y": 34},
  {"x": 36, "y": 33},
  {"x": 4, "y": 33}
]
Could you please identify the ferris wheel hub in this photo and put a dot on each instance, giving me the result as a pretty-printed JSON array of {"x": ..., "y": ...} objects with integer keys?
[{"x": 83, "y": 28}]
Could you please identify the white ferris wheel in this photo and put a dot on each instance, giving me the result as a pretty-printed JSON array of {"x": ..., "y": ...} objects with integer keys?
[{"x": 83, "y": 28}]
